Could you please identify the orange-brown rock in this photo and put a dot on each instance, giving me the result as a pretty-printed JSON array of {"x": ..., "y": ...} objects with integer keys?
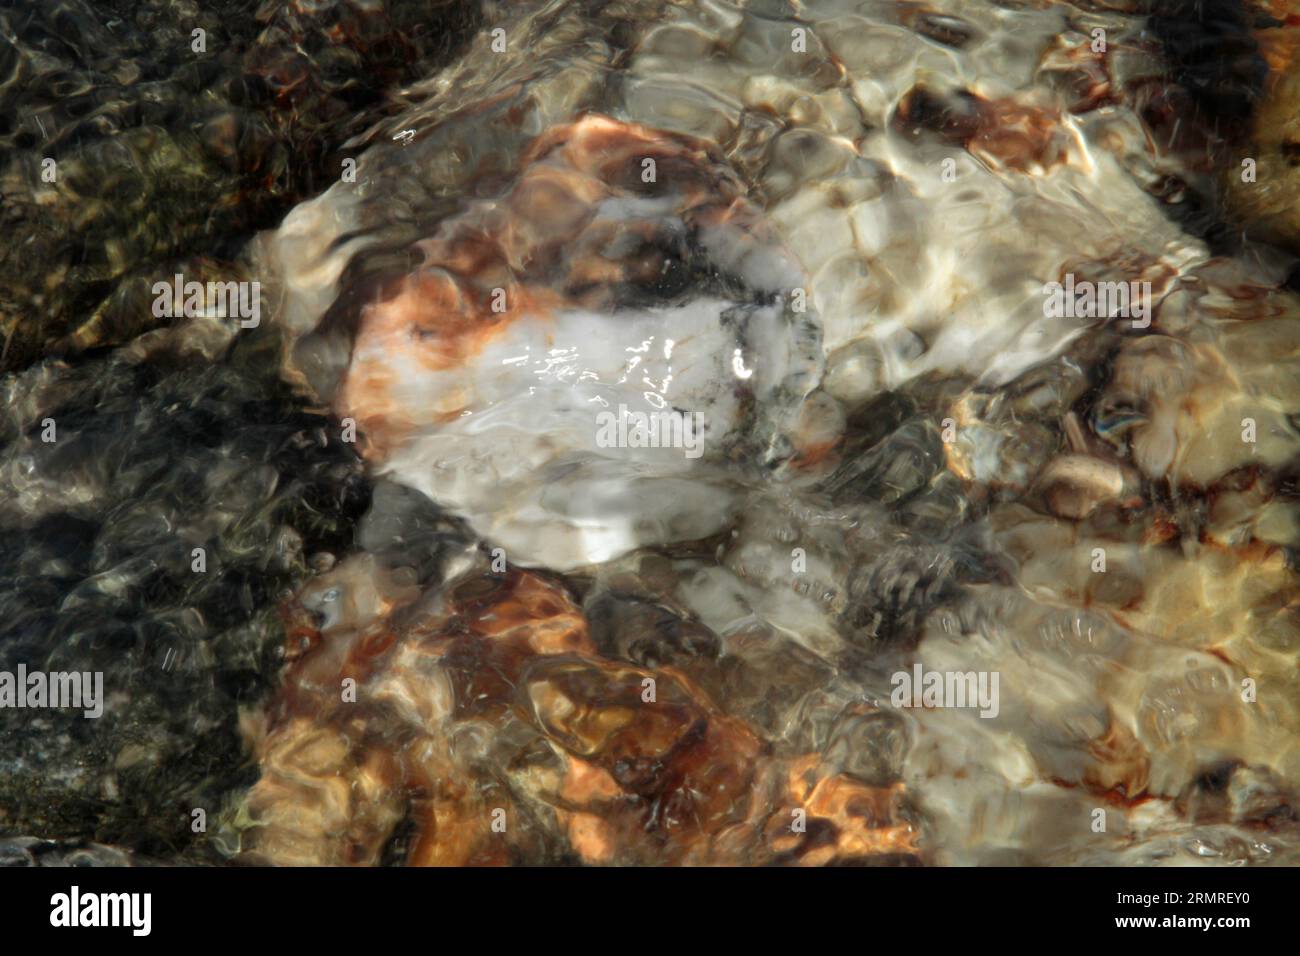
[{"x": 483, "y": 728}]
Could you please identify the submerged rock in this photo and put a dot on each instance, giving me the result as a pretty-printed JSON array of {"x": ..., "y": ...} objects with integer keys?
[
  {"x": 575, "y": 365},
  {"x": 479, "y": 717}
]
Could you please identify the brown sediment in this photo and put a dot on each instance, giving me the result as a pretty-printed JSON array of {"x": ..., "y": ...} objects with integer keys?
[
  {"x": 1278, "y": 47},
  {"x": 1004, "y": 133},
  {"x": 1020, "y": 136},
  {"x": 663, "y": 775},
  {"x": 319, "y": 748},
  {"x": 1161, "y": 529},
  {"x": 642, "y": 766},
  {"x": 1082, "y": 71},
  {"x": 1267, "y": 204},
  {"x": 867, "y": 821},
  {"x": 1122, "y": 765}
]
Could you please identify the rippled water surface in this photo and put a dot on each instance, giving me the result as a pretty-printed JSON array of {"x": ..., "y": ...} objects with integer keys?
[{"x": 381, "y": 570}]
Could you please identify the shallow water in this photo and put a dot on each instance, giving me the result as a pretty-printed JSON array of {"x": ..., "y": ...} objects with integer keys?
[{"x": 450, "y": 614}]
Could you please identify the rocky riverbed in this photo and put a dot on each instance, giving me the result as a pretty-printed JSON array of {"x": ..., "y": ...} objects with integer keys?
[{"x": 965, "y": 532}]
